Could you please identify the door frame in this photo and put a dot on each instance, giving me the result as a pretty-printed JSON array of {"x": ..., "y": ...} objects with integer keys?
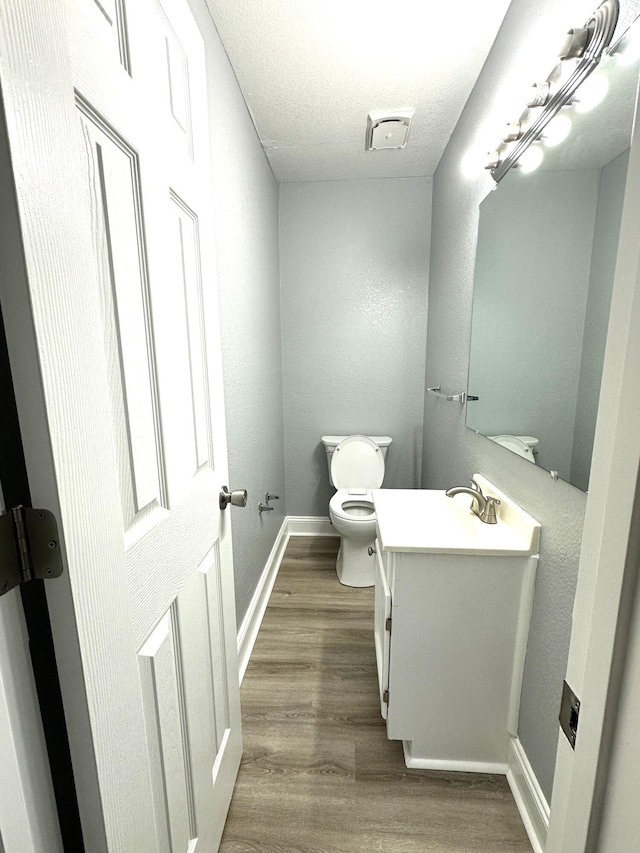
[
  {"x": 35, "y": 720},
  {"x": 28, "y": 814},
  {"x": 609, "y": 553}
]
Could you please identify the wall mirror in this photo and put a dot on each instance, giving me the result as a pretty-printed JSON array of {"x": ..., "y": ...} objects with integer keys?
[{"x": 547, "y": 246}]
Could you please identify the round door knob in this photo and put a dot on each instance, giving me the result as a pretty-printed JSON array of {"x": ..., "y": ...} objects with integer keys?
[
  {"x": 235, "y": 498},
  {"x": 371, "y": 550}
]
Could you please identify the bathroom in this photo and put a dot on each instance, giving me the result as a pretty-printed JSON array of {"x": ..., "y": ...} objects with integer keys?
[
  {"x": 341, "y": 301},
  {"x": 396, "y": 257}
]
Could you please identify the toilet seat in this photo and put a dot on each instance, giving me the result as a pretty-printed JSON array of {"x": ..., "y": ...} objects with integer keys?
[
  {"x": 357, "y": 463},
  {"x": 355, "y": 508}
]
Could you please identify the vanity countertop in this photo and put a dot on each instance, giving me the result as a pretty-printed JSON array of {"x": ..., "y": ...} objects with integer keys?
[{"x": 427, "y": 521}]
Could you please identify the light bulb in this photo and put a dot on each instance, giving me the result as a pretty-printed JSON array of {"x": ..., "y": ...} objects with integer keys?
[
  {"x": 592, "y": 92},
  {"x": 474, "y": 161},
  {"x": 492, "y": 160},
  {"x": 557, "y": 130},
  {"x": 531, "y": 159}
]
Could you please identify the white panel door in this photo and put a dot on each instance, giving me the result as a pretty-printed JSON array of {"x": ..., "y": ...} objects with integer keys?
[{"x": 115, "y": 352}]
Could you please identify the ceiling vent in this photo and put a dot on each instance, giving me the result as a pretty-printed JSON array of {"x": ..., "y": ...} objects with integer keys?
[{"x": 388, "y": 129}]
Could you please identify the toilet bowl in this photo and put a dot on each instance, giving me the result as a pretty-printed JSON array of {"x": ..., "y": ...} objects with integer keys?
[{"x": 356, "y": 466}]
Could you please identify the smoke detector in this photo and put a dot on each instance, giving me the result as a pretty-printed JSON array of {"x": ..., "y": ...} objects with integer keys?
[{"x": 388, "y": 129}]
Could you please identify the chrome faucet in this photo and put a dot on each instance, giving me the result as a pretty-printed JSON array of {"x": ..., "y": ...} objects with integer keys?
[{"x": 483, "y": 507}]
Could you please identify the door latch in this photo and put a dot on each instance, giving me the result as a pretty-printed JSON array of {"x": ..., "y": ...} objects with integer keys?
[{"x": 569, "y": 714}]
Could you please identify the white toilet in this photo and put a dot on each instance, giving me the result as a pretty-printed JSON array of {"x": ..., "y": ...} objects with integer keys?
[
  {"x": 523, "y": 445},
  {"x": 356, "y": 465}
]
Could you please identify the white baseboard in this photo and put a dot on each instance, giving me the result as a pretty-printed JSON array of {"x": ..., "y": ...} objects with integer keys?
[
  {"x": 255, "y": 612},
  {"x": 292, "y": 525},
  {"x": 310, "y": 525},
  {"x": 530, "y": 800},
  {"x": 441, "y": 764}
]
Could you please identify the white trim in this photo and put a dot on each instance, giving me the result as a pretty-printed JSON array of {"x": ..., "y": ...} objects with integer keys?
[
  {"x": 255, "y": 612},
  {"x": 525, "y": 611},
  {"x": 608, "y": 554},
  {"x": 217, "y": 764},
  {"x": 291, "y": 526},
  {"x": 448, "y": 764},
  {"x": 310, "y": 525},
  {"x": 530, "y": 800}
]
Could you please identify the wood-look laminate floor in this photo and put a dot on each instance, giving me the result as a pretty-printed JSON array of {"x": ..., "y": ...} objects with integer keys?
[{"x": 318, "y": 774}]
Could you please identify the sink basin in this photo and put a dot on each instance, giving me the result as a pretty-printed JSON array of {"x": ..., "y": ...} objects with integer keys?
[{"x": 427, "y": 521}]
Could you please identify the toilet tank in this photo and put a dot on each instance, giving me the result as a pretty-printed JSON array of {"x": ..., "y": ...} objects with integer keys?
[{"x": 332, "y": 441}]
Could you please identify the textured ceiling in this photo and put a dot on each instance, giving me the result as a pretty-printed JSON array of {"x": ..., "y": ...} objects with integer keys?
[{"x": 311, "y": 70}]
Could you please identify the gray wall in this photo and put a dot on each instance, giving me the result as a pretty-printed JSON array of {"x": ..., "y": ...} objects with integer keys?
[
  {"x": 451, "y": 451},
  {"x": 354, "y": 260},
  {"x": 246, "y": 223}
]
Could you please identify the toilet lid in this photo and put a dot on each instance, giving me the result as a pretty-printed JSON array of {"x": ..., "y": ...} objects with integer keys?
[{"x": 357, "y": 463}]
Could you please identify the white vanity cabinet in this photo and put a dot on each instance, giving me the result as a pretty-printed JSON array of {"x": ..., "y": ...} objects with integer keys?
[{"x": 451, "y": 631}]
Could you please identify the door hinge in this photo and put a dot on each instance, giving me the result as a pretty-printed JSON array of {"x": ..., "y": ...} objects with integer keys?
[
  {"x": 569, "y": 714},
  {"x": 385, "y": 697},
  {"x": 387, "y": 624},
  {"x": 29, "y": 547}
]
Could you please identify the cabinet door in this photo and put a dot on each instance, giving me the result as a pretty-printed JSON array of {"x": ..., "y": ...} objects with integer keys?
[{"x": 381, "y": 632}]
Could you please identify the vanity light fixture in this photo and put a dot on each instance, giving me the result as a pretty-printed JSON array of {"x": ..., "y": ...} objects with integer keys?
[
  {"x": 493, "y": 160},
  {"x": 512, "y": 132},
  {"x": 579, "y": 56},
  {"x": 539, "y": 94}
]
